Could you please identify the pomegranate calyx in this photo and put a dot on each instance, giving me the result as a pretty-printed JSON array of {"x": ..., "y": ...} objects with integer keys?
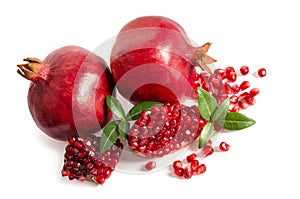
[
  {"x": 33, "y": 70},
  {"x": 202, "y": 59}
]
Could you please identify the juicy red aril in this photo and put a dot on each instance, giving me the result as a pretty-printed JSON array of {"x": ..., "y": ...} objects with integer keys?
[
  {"x": 235, "y": 108},
  {"x": 262, "y": 72},
  {"x": 229, "y": 70},
  {"x": 83, "y": 159},
  {"x": 244, "y": 85},
  {"x": 150, "y": 165},
  {"x": 200, "y": 169},
  {"x": 179, "y": 171},
  {"x": 250, "y": 100},
  {"x": 165, "y": 129},
  {"x": 244, "y": 70},
  {"x": 207, "y": 150},
  {"x": 177, "y": 164},
  {"x": 235, "y": 88},
  {"x": 231, "y": 76},
  {"x": 254, "y": 91},
  {"x": 194, "y": 164},
  {"x": 191, "y": 157},
  {"x": 234, "y": 99},
  {"x": 224, "y": 146},
  {"x": 187, "y": 173},
  {"x": 243, "y": 104}
]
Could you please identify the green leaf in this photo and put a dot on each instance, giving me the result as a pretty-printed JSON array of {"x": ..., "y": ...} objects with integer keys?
[
  {"x": 109, "y": 136},
  {"x": 123, "y": 129},
  {"x": 135, "y": 111},
  {"x": 115, "y": 106},
  {"x": 206, "y": 103},
  {"x": 236, "y": 121},
  {"x": 221, "y": 111},
  {"x": 206, "y": 134}
]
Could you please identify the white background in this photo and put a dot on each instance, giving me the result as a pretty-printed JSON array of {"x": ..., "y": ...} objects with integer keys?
[{"x": 264, "y": 159}]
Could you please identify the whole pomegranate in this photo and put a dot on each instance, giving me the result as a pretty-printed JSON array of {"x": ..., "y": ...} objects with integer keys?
[
  {"x": 152, "y": 60},
  {"x": 67, "y": 92}
]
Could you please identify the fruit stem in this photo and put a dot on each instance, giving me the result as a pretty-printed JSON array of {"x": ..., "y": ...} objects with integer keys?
[
  {"x": 200, "y": 57},
  {"x": 33, "y": 70}
]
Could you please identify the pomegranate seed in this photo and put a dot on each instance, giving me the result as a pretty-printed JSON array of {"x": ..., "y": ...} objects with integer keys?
[
  {"x": 254, "y": 92},
  {"x": 209, "y": 143},
  {"x": 231, "y": 76},
  {"x": 100, "y": 179},
  {"x": 235, "y": 88},
  {"x": 200, "y": 169},
  {"x": 243, "y": 104},
  {"x": 179, "y": 171},
  {"x": 250, "y": 100},
  {"x": 207, "y": 150},
  {"x": 224, "y": 146},
  {"x": 229, "y": 70},
  {"x": 244, "y": 70},
  {"x": 235, "y": 108},
  {"x": 150, "y": 165},
  {"x": 194, "y": 164},
  {"x": 227, "y": 89},
  {"x": 234, "y": 99},
  {"x": 187, "y": 173},
  {"x": 244, "y": 85},
  {"x": 262, "y": 72},
  {"x": 243, "y": 95},
  {"x": 191, "y": 157},
  {"x": 177, "y": 164}
]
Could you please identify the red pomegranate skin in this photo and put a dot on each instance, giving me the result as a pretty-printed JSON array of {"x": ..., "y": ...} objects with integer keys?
[
  {"x": 153, "y": 60},
  {"x": 67, "y": 93}
]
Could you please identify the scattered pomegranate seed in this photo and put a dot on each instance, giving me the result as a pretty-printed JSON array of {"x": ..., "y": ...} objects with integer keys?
[
  {"x": 234, "y": 99},
  {"x": 194, "y": 164},
  {"x": 207, "y": 150},
  {"x": 235, "y": 108},
  {"x": 232, "y": 76},
  {"x": 200, "y": 169},
  {"x": 254, "y": 92},
  {"x": 187, "y": 173},
  {"x": 229, "y": 70},
  {"x": 191, "y": 157},
  {"x": 179, "y": 171},
  {"x": 244, "y": 70},
  {"x": 262, "y": 72},
  {"x": 150, "y": 165},
  {"x": 243, "y": 104},
  {"x": 235, "y": 88},
  {"x": 250, "y": 100},
  {"x": 244, "y": 85},
  {"x": 177, "y": 164},
  {"x": 224, "y": 146}
]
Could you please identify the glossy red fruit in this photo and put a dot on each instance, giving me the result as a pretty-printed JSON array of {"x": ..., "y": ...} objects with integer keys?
[
  {"x": 177, "y": 164},
  {"x": 179, "y": 171},
  {"x": 254, "y": 91},
  {"x": 150, "y": 165},
  {"x": 244, "y": 85},
  {"x": 224, "y": 146},
  {"x": 191, "y": 157},
  {"x": 83, "y": 160},
  {"x": 152, "y": 60},
  {"x": 165, "y": 129},
  {"x": 262, "y": 72},
  {"x": 194, "y": 164},
  {"x": 67, "y": 92},
  {"x": 207, "y": 150},
  {"x": 244, "y": 70},
  {"x": 200, "y": 169},
  {"x": 187, "y": 172}
]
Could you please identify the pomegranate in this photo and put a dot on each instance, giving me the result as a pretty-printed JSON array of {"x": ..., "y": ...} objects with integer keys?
[
  {"x": 165, "y": 129},
  {"x": 153, "y": 60},
  {"x": 83, "y": 160},
  {"x": 67, "y": 92}
]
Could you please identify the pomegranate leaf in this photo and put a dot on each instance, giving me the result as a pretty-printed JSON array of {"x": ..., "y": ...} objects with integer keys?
[
  {"x": 115, "y": 106},
  {"x": 109, "y": 136},
  {"x": 123, "y": 128},
  {"x": 206, "y": 134},
  {"x": 236, "y": 121},
  {"x": 207, "y": 104},
  {"x": 134, "y": 112},
  {"x": 221, "y": 111}
]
